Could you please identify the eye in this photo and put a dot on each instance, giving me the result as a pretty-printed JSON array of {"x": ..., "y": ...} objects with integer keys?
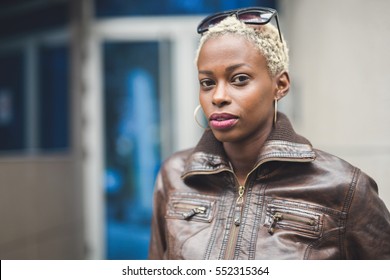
[
  {"x": 240, "y": 79},
  {"x": 206, "y": 83}
]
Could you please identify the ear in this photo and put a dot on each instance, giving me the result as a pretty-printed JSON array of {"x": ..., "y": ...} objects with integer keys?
[{"x": 282, "y": 83}]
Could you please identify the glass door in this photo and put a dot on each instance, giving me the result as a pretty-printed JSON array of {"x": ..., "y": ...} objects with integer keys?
[{"x": 132, "y": 89}]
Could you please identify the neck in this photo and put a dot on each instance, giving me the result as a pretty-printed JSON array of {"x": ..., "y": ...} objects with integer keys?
[{"x": 243, "y": 155}]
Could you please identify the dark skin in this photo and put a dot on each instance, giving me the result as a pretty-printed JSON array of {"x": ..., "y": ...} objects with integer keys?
[{"x": 235, "y": 83}]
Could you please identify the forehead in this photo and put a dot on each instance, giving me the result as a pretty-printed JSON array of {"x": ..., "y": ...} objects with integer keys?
[{"x": 228, "y": 49}]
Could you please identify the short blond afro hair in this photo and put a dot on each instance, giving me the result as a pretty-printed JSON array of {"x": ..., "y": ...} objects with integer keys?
[{"x": 266, "y": 39}]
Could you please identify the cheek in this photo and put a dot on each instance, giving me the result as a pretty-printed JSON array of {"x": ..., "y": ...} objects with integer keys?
[
  {"x": 201, "y": 100},
  {"x": 255, "y": 99},
  {"x": 257, "y": 107}
]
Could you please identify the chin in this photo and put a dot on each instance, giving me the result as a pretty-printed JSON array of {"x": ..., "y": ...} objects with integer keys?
[{"x": 226, "y": 136}]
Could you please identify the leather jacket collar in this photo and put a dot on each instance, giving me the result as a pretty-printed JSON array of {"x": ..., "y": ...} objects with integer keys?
[{"x": 283, "y": 144}]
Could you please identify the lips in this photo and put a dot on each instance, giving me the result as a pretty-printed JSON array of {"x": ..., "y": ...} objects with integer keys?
[{"x": 222, "y": 120}]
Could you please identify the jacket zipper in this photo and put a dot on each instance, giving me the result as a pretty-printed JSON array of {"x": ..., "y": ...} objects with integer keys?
[
  {"x": 191, "y": 210},
  {"x": 278, "y": 216},
  {"x": 194, "y": 211},
  {"x": 234, "y": 230}
]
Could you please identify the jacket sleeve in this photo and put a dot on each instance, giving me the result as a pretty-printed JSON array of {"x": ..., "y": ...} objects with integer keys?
[
  {"x": 157, "y": 245},
  {"x": 367, "y": 234}
]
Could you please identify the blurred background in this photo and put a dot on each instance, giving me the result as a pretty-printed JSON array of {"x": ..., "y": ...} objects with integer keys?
[{"x": 95, "y": 94}]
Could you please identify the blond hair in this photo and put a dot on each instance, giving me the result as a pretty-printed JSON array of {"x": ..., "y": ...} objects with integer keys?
[{"x": 266, "y": 39}]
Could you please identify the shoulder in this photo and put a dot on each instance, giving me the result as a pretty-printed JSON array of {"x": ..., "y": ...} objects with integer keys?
[
  {"x": 326, "y": 158},
  {"x": 169, "y": 178},
  {"x": 177, "y": 159},
  {"x": 174, "y": 165},
  {"x": 341, "y": 170},
  {"x": 331, "y": 163}
]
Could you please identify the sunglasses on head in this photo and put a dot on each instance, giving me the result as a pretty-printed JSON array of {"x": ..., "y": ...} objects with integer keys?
[{"x": 254, "y": 15}]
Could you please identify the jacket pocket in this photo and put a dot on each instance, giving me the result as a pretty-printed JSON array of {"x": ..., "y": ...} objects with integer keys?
[
  {"x": 191, "y": 207},
  {"x": 293, "y": 216}
]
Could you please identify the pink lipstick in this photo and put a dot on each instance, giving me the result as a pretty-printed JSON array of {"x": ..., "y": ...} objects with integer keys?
[{"x": 222, "y": 120}]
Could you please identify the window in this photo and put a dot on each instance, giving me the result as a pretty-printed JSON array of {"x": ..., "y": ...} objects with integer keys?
[
  {"x": 53, "y": 98},
  {"x": 12, "y": 101},
  {"x": 132, "y": 143}
]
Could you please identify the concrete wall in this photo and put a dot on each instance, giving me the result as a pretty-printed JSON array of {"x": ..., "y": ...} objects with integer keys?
[
  {"x": 340, "y": 70},
  {"x": 42, "y": 196},
  {"x": 40, "y": 209}
]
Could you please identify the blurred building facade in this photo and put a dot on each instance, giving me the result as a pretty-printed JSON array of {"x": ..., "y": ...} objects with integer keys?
[{"x": 95, "y": 94}]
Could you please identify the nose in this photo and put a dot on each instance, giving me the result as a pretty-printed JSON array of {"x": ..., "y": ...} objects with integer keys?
[{"x": 221, "y": 96}]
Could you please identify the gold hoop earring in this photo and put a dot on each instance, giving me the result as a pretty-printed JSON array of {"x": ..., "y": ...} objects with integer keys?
[
  {"x": 196, "y": 119},
  {"x": 276, "y": 111}
]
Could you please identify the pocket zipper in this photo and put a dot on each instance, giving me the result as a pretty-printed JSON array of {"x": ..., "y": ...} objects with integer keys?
[
  {"x": 192, "y": 211},
  {"x": 289, "y": 217}
]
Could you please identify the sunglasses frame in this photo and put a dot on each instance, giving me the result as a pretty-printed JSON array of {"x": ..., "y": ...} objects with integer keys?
[{"x": 237, "y": 13}]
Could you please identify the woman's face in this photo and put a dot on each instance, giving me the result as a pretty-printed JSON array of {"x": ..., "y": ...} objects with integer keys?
[{"x": 236, "y": 91}]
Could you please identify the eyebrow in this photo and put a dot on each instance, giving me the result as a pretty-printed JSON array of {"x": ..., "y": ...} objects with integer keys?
[
  {"x": 229, "y": 69},
  {"x": 235, "y": 66}
]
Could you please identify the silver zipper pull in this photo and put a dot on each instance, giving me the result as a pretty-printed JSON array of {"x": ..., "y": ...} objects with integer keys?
[
  {"x": 275, "y": 218},
  {"x": 237, "y": 215},
  {"x": 239, "y": 202},
  {"x": 194, "y": 211}
]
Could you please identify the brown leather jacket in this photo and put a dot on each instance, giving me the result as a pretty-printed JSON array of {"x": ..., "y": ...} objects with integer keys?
[{"x": 298, "y": 203}]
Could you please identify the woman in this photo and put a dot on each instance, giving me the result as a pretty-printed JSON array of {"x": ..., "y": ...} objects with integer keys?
[{"x": 252, "y": 188}]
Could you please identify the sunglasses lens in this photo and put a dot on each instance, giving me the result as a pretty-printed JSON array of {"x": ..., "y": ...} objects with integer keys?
[
  {"x": 211, "y": 22},
  {"x": 255, "y": 17}
]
